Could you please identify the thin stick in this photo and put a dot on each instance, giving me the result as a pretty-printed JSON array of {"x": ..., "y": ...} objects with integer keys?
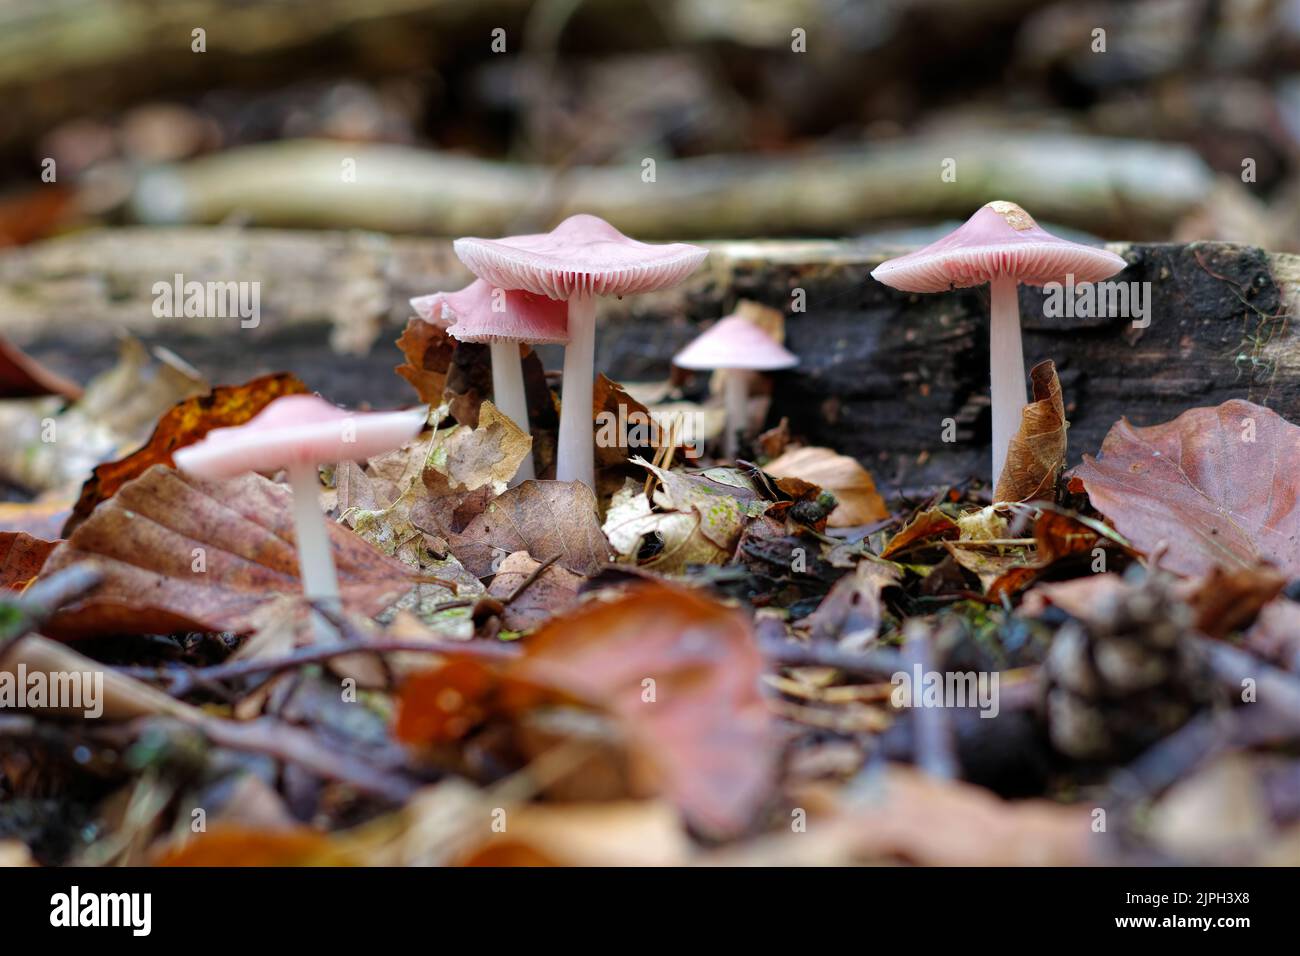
[
  {"x": 44, "y": 597},
  {"x": 527, "y": 582}
]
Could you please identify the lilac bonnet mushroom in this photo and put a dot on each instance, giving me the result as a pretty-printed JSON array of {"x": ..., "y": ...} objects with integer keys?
[
  {"x": 1001, "y": 245},
  {"x": 740, "y": 347},
  {"x": 503, "y": 319},
  {"x": 298, "y": 433},
  {"x": 580, "y": 259}
]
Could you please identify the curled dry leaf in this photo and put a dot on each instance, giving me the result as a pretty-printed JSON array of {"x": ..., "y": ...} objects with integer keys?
[
  {"x": 21, "y": 558},
  {"x": 427, "y": 350},
  {"x": 179, "y": 553},
  {"x": 183, "y": 424},
  {"x": 930, "y": 527},
  {"x": 544, "y": 518},
  {"x": 850, "y": 483},
  {"x": 852, "y": 612},
  {"x": 1215, "y": 486},
  {"x": 1036, "y": 454}
]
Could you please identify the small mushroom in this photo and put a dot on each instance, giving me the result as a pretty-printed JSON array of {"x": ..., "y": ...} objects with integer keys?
[
  {"x": 1001, "y": 245},
  {"x": 741, "y": 348},
  {"x": 298, "y": 433},
  {"x": 580, "y": 259},
  {"x": 503, "y": 319}
]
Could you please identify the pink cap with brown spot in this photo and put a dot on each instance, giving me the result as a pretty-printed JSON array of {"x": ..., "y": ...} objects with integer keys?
[{"x": 1000, "y": 240}]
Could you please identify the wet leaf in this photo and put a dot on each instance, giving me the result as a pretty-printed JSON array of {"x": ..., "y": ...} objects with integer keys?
[
  {"x": 1036, "y": 454},
  {"x": 1213, "y": 487},
  {"x": 183, "y": 424},
  {"x": 182, "y": 553}
]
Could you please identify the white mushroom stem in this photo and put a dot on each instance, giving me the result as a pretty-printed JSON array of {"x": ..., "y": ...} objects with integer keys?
[
  {"x": 735, "y": 391},
  {"x": 320, "y": 581},
  {"x": 509, "y": 396},
  {"x": 1007, "y": 369},
  {"x": 576, "y": 451}
]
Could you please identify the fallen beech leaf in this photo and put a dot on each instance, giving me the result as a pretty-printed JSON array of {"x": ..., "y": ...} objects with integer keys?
[
  {"x": 544, "y": 518},
  {"x": 1036, "y": 454},
  {"x": 922, "y": 528},
  {"x": 554, "y": 591},
  {"x": 679, "y": 671},
  {"x": 183, "y": 424},
  {"x": 21, "y": 376},
  {"x": 1215, "y": 486},
  {"x": 21, "y": 558},
  {"x": 1077, "y": 597},
  {"x": 989, "y": 564},
  {"x": 153, "y": 536},
  {"x": 850, "y": 483},
  {"x": 704, "y": 736},
  {"x": 427, "y": 350}
]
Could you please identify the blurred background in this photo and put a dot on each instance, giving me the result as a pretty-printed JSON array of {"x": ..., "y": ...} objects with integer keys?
[
  {"x": 324, "y": 150},
  {"x": 1131, "y": 120}
]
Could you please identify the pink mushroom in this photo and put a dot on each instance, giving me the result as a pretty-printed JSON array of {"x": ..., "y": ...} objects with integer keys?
[
  {"x": 503, "y": 319},
  {"x": 1002, "y": 245},
  {"x": 297, "y": 433},
  {"x": 741, "y": 348},
  {"x": 580, "y": 259}
]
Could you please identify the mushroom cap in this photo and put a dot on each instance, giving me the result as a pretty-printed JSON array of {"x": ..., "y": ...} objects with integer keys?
[
  {"x": 481, "y": 313},
  {"x": 298, "y": 430},
  {"x": 583, "y": 255},
  {"x": 735, "y": 342},
  {"x": 1000, "y": 240},
  {"x": 430, "y": 308}
]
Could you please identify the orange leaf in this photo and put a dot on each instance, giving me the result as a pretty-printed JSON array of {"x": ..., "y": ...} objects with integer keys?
[
  {"x": 183, "y": 424},
  {"x": 1036, "y": 454}
]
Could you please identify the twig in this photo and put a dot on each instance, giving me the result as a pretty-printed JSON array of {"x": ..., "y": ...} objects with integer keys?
[
  {"x": 879, "y": 663},
  {"x": 527, "y": 582},
  {"x": 40, "y": 601},
  {"x": 932, "y": 736}
]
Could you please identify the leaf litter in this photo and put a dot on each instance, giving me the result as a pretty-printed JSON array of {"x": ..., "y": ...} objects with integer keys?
[{"x": 669, "y": 670}]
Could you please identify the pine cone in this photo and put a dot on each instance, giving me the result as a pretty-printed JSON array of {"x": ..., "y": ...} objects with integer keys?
[{"x": 1127, "y": 677}]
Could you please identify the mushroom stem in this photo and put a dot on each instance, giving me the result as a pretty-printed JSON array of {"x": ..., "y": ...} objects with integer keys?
[
  {"x": 736, "y": 393},
  {"x": 320, "y": 581},
  {"x": 1006, "y": 368},
  {"x": 509, "y": 396},
  {"x": 576, "y": 446}
]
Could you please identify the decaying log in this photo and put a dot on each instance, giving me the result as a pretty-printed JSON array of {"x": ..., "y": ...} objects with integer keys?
[
  {"x": 881, "y": 372},
  {"x": 1103, "y": 185}
]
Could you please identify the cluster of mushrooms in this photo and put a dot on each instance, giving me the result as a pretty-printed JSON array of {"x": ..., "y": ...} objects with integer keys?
[{"x": 542, "y": 289}]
